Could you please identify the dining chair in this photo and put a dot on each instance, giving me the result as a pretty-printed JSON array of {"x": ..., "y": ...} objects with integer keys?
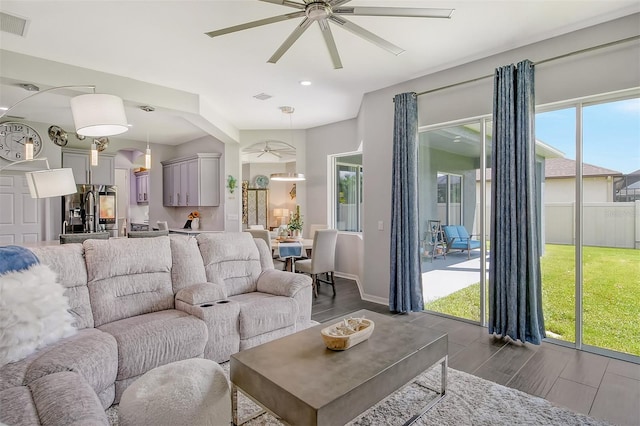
[
  {"x": 323, "y": 259},
  {"x": 262, "y": 234},
  {"x": 314, "y": 227}
]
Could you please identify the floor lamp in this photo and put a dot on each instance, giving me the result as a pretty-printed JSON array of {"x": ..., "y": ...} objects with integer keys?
[{"x": 49, "y": 182}]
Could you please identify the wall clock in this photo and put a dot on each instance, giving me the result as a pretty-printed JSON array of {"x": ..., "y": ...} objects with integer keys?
[
  {"x": 13, "y": 136},
  {"x": 262, "y": 181}
]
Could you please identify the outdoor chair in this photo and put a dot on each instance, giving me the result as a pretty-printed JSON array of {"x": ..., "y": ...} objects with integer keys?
[{"x": 458, "y": 238}]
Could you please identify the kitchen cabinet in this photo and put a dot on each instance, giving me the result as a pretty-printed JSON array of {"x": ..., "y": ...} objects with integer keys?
[
  {"x": 142, "y": 187},
  {"x": 80, "y": 162},
  {"x": 191, "y": 181}
]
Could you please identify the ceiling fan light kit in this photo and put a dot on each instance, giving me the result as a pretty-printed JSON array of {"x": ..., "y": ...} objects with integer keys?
[
  {"x": 325, "y": 11},
  {"x": 287, "y": 177}
]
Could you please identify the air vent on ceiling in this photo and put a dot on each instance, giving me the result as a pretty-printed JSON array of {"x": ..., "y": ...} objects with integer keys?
[
  {"x": 262, "y": 96},
  {"x": 13, "y": 24}
]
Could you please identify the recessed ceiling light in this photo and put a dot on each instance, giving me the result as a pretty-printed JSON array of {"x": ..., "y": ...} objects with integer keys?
[{"x": 305, "y": 83}]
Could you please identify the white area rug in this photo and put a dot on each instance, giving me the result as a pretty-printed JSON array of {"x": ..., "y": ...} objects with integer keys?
[{"x": 470, "y": 400}]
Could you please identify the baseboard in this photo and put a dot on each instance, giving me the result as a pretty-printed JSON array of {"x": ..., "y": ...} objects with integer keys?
[{"x": 363, "y": 296}]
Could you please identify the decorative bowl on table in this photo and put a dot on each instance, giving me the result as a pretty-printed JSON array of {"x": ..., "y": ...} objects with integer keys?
[{"x": 347, "y": 333}]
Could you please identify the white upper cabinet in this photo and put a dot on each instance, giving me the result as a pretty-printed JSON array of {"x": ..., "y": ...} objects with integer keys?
[{"x": 192, "y": 181}]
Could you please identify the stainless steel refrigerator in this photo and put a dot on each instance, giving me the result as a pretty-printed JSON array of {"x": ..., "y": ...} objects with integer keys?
[{"x": 92, "y": 209}]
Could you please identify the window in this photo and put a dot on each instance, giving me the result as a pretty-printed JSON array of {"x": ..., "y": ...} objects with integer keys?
[{"x": 347, "y": 198}]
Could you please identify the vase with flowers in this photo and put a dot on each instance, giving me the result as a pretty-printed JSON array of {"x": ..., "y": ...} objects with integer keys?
[
  {"x": 295, "y": 223},
  {"x": 193, "y": 221}
]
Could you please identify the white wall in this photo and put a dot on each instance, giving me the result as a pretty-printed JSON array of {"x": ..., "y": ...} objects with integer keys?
[
  {"x": 597, "y": 72},
  {"x": 594, "y": 190}
]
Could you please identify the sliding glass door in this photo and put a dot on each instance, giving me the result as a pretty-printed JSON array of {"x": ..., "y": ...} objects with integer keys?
[{"x": 588, "y": 165}]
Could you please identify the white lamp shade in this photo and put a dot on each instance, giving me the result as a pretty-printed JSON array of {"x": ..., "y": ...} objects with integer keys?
[
  {"x": 51, "y": 183},
  {"x": 98, "y": 115}
]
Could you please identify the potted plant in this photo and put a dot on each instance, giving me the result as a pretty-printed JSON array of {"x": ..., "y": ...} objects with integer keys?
[{"x": 295, "y": 223}]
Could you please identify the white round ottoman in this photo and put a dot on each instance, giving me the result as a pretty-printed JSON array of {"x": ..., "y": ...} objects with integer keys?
[{"x": 190, "y": 392}]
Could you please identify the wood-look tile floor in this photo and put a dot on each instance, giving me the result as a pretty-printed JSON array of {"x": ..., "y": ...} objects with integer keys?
[{"x": 596, "y": 385}]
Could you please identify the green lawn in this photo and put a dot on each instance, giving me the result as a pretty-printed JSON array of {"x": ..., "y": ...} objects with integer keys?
[{"x": 611, "y": 300}]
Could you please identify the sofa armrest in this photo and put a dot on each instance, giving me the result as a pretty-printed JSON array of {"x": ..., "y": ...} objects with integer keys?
[
  {"x": 282, "y": 283},
  {"x": 198, "y": 294}
]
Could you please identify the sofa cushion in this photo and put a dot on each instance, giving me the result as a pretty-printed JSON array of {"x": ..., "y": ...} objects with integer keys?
[
  {"x": 187, "y": 267},
  {"x": 232, "y": 258},
  {"x": 150, "y": 340},
  {"x": 65, "y": 399},
  {"x": 262, "y": 313},
  {"x": 68, "y": 262},
  {"x": 128, "y": 277},
  {"x": 18, "y": 407}
]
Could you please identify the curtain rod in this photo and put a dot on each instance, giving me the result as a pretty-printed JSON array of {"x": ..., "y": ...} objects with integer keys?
[{"x": 577, "y": 52}]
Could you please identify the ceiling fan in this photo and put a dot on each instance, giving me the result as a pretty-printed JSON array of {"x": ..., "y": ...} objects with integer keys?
[
  {"x": 325, "y": 11},
  {"x": 276, "y": 148}
]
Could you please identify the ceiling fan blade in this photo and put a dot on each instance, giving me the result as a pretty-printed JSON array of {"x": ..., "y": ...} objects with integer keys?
[
  {"x": 275, "y": 154},
  {"x": 263, "y": 153},
  {"x": 331, "y": 43},
  {"x": 407, "y": 12},
  {"x": 290, "y": 40},
  {"x": 367, "y": 35},
  {"x": 338, "y": 3},
  {"x": 286, "y": 3},
  {"x": 254, "y": 24}
]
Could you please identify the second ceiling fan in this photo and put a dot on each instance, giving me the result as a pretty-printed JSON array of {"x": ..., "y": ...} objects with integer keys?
[{"x": 325, "y": 11}]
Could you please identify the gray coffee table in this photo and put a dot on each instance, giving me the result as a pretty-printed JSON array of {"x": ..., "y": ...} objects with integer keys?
[{"x": 301, "y": 382}]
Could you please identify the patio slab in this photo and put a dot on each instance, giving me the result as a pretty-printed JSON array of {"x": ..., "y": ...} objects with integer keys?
[{"x": 443, "y": 277}]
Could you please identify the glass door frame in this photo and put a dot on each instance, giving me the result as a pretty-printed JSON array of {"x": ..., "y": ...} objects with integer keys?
[
  {"x": 579, "y": 104},
  {"x": 483, "y": 121}
]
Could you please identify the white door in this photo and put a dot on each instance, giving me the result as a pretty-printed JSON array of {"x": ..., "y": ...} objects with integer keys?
[{"x": 20, "y": 215}]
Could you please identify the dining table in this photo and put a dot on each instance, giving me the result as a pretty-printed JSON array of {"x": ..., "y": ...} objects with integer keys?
[{"x": 290, "y": 255}]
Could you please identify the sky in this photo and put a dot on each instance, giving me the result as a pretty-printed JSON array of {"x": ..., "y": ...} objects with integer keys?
[{"x": 611, "y": 133}]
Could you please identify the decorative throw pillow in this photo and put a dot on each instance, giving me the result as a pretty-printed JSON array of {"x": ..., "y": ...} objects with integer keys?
[{"x": 33, "y": 312}]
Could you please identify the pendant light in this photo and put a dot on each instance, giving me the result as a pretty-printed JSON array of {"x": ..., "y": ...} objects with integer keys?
[
  {"x": 147, "y": 153},
  {"x": 94, "y": 154},
  {"x": 288, "y": 177},
  {"x": 28, "y": 149}
]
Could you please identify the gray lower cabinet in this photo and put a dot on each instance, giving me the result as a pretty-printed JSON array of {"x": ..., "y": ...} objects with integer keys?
[
  {"x": 191, "y": 181},
  {"x": 80, "y": 162}
]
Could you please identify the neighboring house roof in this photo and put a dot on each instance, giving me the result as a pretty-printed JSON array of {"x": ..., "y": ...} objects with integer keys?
[
  {"x": 557, "y": 168},
  {"x": 566, "y": 168}
]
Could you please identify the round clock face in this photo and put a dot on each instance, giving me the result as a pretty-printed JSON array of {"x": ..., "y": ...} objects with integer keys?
[
  {"x": 14, "y": 136},
  {"x": 262, "y": 181}
]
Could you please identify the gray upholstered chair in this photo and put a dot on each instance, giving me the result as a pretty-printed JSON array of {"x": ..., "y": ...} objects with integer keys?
[
  {"x": 323, "y": 259},
  {"x": 79, "y": 238},
  {"x": 314, "y": 228},
  {"x": 148, "y": 234},
  {"x": 262, "y": 234}
]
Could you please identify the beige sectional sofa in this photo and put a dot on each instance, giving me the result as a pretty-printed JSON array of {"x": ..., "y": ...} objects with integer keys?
[{"x": 142, "y": 303}]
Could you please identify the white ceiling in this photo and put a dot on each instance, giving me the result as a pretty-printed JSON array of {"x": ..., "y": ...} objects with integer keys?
[{"x": 163, "y": 42}]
